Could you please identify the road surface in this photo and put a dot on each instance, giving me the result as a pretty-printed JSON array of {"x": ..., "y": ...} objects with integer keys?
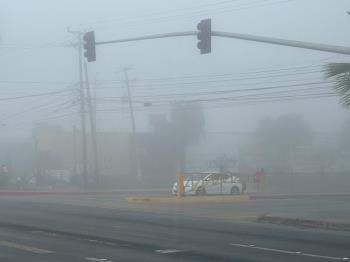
[{"x": 57, "y": 229}]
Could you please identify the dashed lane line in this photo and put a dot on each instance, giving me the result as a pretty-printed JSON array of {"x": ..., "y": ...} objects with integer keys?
[
  {"x": 98, "y": 259},
  {"x": 297, "y": 253},
  {"x": 168, "y": 251}
]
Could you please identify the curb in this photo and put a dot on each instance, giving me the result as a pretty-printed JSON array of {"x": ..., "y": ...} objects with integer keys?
[
  {"x": 45, "y": 193},
  {"x": 76, "y": 193},
  {"x": 308, "y": 223},
  {"x": 293, "y": 196},
  {"x": 188, "y": 199}
]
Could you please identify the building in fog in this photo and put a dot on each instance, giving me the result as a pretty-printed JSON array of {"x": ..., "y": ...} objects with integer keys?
[
  {"x": 16, "y": 155},
  {"x": 59, "y": 149},
  {"x": 321, "y": 156}
]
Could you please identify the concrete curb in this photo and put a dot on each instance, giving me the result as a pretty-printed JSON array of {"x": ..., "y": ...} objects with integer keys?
[
  {"x": 308, "y": 223},
  {"x": 225, "y": 198},
  {"x": 45, "y": 193},
  {"x": 187, "y": 199},
  {"x": 293, "y": 196},
  {"x": 76, "y": 193}
]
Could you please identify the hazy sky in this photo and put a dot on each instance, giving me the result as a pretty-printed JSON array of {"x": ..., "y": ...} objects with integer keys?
[{"x": 34, "y": 58}]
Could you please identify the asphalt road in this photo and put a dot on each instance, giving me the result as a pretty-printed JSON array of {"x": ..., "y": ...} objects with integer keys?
[{"x": 62, "y": 229}]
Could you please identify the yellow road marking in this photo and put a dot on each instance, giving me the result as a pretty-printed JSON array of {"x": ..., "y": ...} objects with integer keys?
[{"x": 24, "y": 247}]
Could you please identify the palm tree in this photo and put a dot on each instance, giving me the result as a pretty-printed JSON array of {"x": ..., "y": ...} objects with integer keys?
[{"x": 340, "y": 72}]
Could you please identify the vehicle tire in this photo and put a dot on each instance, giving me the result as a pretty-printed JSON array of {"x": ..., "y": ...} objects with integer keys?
[
  {"x": 201, "y": 191},
  {"x": 234, "y": 190}
]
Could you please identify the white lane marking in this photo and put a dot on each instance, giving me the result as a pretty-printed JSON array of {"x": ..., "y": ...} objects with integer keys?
[
  {"x": 276, "y": 250},
  {"x": 98, "y": 259},
  {"x": 265, "y": 248},
  {"x": 325, "y": 257},
  {"x": 288, "y": 252},
  {"x": 168, "y": 251},
  {"x": 25, "y": 247}
]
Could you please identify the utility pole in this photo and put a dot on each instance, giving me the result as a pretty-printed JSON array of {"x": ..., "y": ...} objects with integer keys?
[
  {"x": 82, "y": 104},
  {"x": 134, "y": 148},
  {"x": 75, "y": 158},
  {"x": 95, "y": 99},
  {"x": 36, "y": 155},
  {"x": 92, "y": 124}
]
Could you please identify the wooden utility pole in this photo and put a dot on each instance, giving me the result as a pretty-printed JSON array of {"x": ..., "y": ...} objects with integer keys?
[
  {"x": 79, "y": 34},
  {"x": 134, "y": 146},
  {"x": 92, "y": 124}
]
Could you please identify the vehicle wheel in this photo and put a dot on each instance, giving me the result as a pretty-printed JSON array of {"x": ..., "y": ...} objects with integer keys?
[
  {"x": 201, "y": 192},
  {"x": 234, "y": 190}
]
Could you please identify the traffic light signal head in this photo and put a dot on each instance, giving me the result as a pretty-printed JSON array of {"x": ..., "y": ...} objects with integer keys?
[
  {"x": 204, "y": 36},
  {"x": 90, "y": 46}
]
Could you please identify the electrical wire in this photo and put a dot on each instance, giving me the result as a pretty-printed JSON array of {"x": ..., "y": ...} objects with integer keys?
[
  {"x": 191, "y": 15},
  {"x": 45, "y": 106},
  {"x": 34, "y": 95},
  {"x": 155, "y": 15},
  {"x": 229, "y": 101},
  {"x": 172, "y": 95}
]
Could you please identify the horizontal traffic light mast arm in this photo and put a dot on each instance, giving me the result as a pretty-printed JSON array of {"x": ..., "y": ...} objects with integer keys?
[
  {"x": 270, "y": 40},
  {"x": 278, "y": 41},
  {"x": 148, "y": 37}
]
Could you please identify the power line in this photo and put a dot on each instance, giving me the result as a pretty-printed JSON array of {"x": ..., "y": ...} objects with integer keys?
[
  {"x": 252, "y": 98},
  {"x": 47, "y": 105},
  {"x": 229, "y": 91},
  {"x": 216, "y": 81},
  {"x": 155, "y": 15},
  {"x": 202, "y": 13},
  {"x": 201, "y": 76},
  {"x": 295, "y": 91},
  {"x": 34, "y": 95},
  {"x": 35, "y": 46},
  {"x": 271, "y": 100},
  {"x": 212, "y": 85},
  {"x": 226, "y": 102},
  {"x": 233, "y": 103},
  {"x": 36, "y": 82},
  {"x": 48, "y": 112},
  {"x": 62, "y": 116},
  {"x": 174, "y": 17}
]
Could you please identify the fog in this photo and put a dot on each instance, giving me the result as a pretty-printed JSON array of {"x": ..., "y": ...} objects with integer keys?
[{"x": 37, "y": 55}]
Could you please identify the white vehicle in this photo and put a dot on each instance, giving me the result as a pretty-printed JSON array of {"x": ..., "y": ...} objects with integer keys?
[{"x": 211, "y": 183}]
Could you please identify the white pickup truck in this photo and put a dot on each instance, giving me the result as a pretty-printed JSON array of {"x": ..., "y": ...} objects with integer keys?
[{"x": 203, "y": 183}]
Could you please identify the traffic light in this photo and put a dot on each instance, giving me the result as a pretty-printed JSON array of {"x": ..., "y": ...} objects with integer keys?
[
  {"x": 204, "y": 36},
  {"x": 90, "y": 46}
]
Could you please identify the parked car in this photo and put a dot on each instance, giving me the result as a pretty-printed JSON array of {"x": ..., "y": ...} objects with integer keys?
[{"x": 211, "y": 183}]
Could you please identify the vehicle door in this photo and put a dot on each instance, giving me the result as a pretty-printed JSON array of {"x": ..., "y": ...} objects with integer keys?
[{"x": 214, "y": 184}]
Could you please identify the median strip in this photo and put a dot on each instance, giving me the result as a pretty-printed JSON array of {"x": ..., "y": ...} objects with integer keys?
[{"x": 186, "y": 199}]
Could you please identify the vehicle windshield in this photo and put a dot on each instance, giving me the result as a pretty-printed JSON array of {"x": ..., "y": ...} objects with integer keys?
[{"x": 187, "y": 130}]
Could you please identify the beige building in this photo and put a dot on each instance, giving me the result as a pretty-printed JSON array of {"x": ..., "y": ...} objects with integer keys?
[{"x": 60, "y": 149}]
